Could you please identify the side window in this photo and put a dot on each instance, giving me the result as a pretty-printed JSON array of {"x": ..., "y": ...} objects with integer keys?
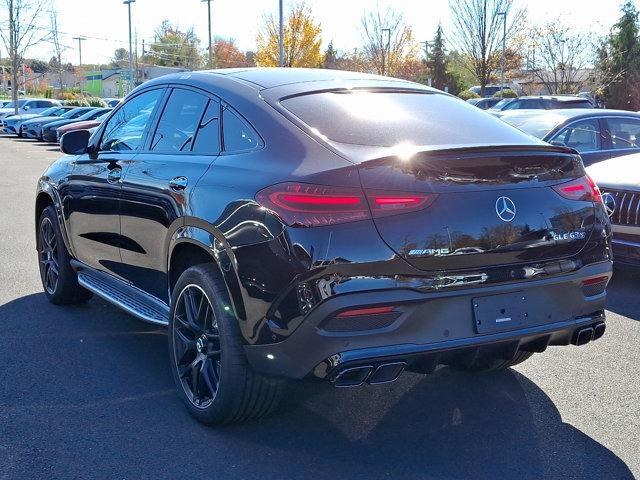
[
  {"x": 238, "y": 136},
  {"x": 533, "y": 103},
  {"x": 625, "y": 132},
  {"x": 208, "y": 136},
  {"x": 125, "y": 129},
  {"x": 584, "y": 136},
  {"x": 179, "y": 121}
]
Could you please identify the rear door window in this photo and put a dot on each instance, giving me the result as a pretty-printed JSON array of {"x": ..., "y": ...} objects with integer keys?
[
  {"x": 208, "y": 135},
  {"x": 179, "y": 121},
  {"x": 583, "y": 136},
  {"x": 625, "y": 132}
]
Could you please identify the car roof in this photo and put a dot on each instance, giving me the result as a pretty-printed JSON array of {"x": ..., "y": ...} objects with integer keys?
[
  {"x": 564, "y": 114},
  {"x": 262, "y": 78}
]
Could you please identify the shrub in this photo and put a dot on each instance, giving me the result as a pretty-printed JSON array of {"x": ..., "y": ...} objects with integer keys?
[
  {"x": 76, "y": 102},
  {"x": 96, "y": 102},
  {"x": 506, "y": 93},
  {"x": 467, "y": 94}
]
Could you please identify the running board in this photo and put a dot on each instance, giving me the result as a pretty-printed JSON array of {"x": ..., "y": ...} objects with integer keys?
[{"x": 127, "y": 297}]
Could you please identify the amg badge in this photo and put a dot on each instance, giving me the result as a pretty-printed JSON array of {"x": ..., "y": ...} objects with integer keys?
[{"x": 430, "y": 251}]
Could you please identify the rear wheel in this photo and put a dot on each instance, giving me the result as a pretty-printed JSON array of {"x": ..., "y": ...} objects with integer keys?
[
  {"x": 209, "y": 367},
  {"x": 59, "y": 280},
  {"x": 489, "y": 365}
]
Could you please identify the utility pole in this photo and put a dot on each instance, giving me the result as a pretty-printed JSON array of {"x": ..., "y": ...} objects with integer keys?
[
  {"x": 131, "y": 80},
  {"x": 208, "y": 2},
  {"x": 387, "y": 54},
  {"x": 80, "y": 40},
  {"x": 281, "y": 35},
  {"x": 504, "y": 49}
]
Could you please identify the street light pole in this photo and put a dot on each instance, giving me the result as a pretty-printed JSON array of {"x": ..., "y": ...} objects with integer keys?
[
  {"x": 504, "y": 48},
  {"x": 281, "y": 35},
  {"x": 388, "y": 53},
  {"x": 131, "y": 81},
  {"x": 208, "y": 2}
]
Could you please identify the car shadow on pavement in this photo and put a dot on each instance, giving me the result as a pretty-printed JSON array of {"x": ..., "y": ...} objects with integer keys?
[
  {"x": 88, "y": 389},
  {"x": 622, "y": 292}
]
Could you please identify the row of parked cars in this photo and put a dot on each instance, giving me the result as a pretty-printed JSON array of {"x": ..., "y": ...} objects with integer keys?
[{"x": 47, "y": 120}]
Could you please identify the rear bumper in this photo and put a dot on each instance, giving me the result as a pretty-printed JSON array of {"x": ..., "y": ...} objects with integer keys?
[{"x": 431, "y": 326}]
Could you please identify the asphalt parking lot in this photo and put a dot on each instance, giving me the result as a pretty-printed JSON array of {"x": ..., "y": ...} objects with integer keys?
[{"x": 86, "y": 392}]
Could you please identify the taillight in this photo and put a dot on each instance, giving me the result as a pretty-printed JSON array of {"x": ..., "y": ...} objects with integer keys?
[
  {"x": 583, "y": 188},
  {"x": 307, "y": 205}
]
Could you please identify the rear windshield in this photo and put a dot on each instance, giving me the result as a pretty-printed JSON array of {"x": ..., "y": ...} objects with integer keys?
[
  {"x": 575, "y": 104},
  {"x": 391, "y": 118}
]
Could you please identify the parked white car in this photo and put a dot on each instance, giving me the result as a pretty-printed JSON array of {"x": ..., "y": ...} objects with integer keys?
[{"x": 28, "y": 105}]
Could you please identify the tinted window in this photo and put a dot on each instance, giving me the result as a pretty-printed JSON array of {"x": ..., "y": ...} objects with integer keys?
[
  {"x": 625, "y": 132},
  {"x": 574, "y": 104},
  {"x": 383, "y": 118},
  {"x": 208, "y": 136},
  {"x": 238, "y": 135},
  {"x": 50, "y": 111},
  {"x": 179, "y": 121},
  {"x": 584, "y": 136},
  {"x": 125, "y": 128}
]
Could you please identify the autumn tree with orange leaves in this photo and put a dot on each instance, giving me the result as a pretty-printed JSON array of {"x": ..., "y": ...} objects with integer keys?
[
  {"x": 301, "y": 40},
  {"x": 228, "y": 55}
]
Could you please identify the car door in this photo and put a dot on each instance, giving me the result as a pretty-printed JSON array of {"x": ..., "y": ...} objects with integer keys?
[
  {"x": 586, "y": 136},
  {"x": 159, "y": 181},
  {"x": 624, "y": 134},
  {"x": 92, "y": 205}
]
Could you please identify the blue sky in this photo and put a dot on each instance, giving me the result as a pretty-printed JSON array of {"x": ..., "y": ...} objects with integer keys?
[{"x": 105, "y": 21}]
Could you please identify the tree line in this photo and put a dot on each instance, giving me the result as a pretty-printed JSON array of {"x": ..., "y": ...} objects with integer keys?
[{"x": 489, "y": 40}]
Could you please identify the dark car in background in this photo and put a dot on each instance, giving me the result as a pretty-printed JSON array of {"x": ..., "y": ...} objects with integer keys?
[
  {"x": 619, "y": 182},
  {"x": 484, "y": 103},
  {"x": 50, "y": 130},
  {"x": 282, "y": 227},
  {"x": 542, "y": 102},
  {"x": 33, "y": 128},
  {"x": 597, "y": 134},
  {"x": 489, "y": 90}
]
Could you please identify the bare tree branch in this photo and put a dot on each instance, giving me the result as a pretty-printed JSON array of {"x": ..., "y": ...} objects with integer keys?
[{"x": 478, "y": 32}]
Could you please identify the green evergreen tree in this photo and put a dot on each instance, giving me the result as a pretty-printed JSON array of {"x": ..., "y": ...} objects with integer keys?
[
  {"x": 330, "y": 56},
  {"x": 620, "y": 62},
  {"x": 437, "y": 62}
]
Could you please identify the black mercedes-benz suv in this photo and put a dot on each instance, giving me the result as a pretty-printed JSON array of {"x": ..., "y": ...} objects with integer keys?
[{"x": 315, "y": 224}]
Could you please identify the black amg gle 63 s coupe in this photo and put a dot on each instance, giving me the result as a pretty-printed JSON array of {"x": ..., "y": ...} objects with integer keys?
[{"x": 315, "y": 224}]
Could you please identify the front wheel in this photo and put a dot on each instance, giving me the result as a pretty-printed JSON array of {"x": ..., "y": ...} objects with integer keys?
[
  {"x": 59, "y": 280},
  {"x": 209, "y": 367}
]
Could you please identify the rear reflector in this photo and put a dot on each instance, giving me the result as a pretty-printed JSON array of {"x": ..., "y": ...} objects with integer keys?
[
  {"x": 591, "y": 281},
  {"x": 307, "y": 205},
  {"x": 583, "y": 188},
  {"x": 366, "y": 311}
]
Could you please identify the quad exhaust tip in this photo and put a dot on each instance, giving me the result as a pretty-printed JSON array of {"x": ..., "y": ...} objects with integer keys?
[
  {"x": 588, "y": 334},
  {"x": 356, "y": 376}
]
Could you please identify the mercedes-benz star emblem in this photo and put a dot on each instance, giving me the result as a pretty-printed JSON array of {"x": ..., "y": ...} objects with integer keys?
[
  {"x": 609, "y": 203},
  {"x": 505, "y": 209}
]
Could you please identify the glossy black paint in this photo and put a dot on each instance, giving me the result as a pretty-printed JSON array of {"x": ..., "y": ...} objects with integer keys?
[{"x": 121, "y": 215}]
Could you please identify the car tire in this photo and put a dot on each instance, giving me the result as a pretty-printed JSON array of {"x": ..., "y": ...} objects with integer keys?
[
  {"x": 490, "y": 365},
  {"x": 59, "y": 280},
  {"x": 210, "y": 369}
]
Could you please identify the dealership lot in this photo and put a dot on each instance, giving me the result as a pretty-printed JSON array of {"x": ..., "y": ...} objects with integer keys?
[{"x": 89, "y": 389}]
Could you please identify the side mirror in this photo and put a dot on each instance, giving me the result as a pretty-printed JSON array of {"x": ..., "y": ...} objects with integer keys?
[
  {"x": 75, "y": 142},
  {"x": 558, "y": 143},
  {"x": 26, "y": 107}
]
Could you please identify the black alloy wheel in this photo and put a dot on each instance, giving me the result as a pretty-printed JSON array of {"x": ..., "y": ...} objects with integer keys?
[
  {"x": 196, "y": 344},
  {"x": 48, "y": 256}
]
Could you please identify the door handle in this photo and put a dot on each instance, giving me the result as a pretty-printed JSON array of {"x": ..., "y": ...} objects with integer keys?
[
  {"x": 114, "y": 175},
  {"x": 178, "y": 183}
]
